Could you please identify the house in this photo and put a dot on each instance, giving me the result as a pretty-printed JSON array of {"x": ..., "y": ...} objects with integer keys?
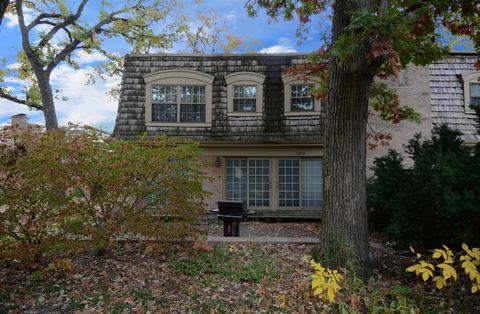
[
  {"x": 261, "y": 131},
  {"x": 19, "y": 124}
]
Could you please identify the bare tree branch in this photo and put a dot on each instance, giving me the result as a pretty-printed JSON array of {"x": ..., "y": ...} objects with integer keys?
[
  {"x": 68, "y": 21},
  {"x": 39, "y": 19},
  {"x": 23, "y": 29},
  {"x": 96, "y": 29},
  {"x": 10, "y": 97}
]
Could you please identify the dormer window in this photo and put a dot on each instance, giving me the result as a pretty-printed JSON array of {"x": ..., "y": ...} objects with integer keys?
[
  {"x": 178, "y": 98},
  {"x": 474, "y": 94},
  {"x": 301, "y": 98},
  {"x": 471, "y": 89},
  {"x": 244, "y": 98},
  {"x": 298, "y": 97},
  {"x": 245, "y": 93}
]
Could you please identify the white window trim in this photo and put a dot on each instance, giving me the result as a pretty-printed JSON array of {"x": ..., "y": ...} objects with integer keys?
[
  {"x": 288, "y": 81},
  {"x": 178, "y": 77},
  {"x": 467, "y": 78},
  {"x": 245, "y": 78}
]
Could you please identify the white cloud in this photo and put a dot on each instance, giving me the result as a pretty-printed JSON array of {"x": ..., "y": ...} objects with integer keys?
[
  {"x": 8, "y": 109},
  {"x": 278, "y": 49},
  {"x": 86, "y": 104},
  {"x": 10, "y": 20},
  {"x": 86, "y": 58},
  {"x": 284, "y": 45},
  {"x": 231, "y": 16},
  {"x": 13, "y": 66}
]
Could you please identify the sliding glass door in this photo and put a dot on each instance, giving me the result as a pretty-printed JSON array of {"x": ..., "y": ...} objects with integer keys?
[{"x": 297, "y": 182}]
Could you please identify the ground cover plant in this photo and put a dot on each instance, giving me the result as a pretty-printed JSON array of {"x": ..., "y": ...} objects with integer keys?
[{"x": 180, "y": 280}]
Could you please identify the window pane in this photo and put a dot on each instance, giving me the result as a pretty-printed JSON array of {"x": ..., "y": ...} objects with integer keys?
[
  {"x": 312, "y": 183},
  {"x": 236, "y": 180},
  {"x": 164, "y": 103},
  {"x": 244, "y": 97},
  {"x": 301, "y": 98},
  {"x": 301, "y": 104},
  {"x": 259, "y": 183},
  {"x": 192, "y": 94},
  {"x": 192, "y": 112},
  {"x": 164, "y": 112},
  {"x": 244, "y": 91},
  {"x": 244, "y": 104},
  {"x": 164, "y": 94},
  {"x": 301, "y": 91},
  {"x": 289, "y": 186},
  {"x": 474, "y": 94}
]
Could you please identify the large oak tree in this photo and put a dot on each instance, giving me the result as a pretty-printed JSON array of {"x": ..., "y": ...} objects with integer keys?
[{"x": 369, "y": 39}]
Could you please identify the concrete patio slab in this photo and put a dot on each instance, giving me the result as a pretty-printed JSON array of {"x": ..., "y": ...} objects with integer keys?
[{"x": 217, "y": 239}]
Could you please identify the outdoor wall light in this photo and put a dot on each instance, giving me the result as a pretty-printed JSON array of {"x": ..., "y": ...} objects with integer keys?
[{"x": 218, "y": 162}]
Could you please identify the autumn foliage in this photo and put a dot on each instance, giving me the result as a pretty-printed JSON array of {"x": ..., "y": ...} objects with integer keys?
[{"x": 63, "y": 190}]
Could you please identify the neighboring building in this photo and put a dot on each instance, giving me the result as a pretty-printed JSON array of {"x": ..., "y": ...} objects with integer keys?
[
  {"x": 262, "y": 131},
  {"x": 19, "y": 124}
]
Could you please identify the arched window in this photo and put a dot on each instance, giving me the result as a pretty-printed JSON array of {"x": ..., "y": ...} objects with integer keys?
[
  {"x": 471, "y": 89},
  {"x": 245, "y": 93},
  {"x": 178, "y": 98},
  {"x": 298, "y": 98}
]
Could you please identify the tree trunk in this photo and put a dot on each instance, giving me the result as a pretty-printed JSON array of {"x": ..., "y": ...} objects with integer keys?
[
  {"x": 3, "y": 8},
  {"x": 48, "y": 103},
  {"x": 344, "y": 235}
]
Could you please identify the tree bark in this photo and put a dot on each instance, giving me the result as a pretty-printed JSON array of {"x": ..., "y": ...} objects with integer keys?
[
  {"x": 48, "y": 103},
  {"x": 3, "y": 8},
  {"x": 344, "y": 235}
]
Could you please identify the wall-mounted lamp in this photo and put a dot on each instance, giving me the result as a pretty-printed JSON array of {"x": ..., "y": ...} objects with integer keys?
[{"x": 218, "y": 162}]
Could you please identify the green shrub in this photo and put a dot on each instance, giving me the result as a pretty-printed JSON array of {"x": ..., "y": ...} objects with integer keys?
[
  {"x": 148, "y": 187},
  {"x": 60, "y": 190},
  {"x": 437, "y": 201},
  {"x": 33, "y": 201}
]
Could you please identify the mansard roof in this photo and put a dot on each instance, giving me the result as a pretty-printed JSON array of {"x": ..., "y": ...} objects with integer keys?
[
  {"x": 447, "y": 94},
  {"x": 272, "y": 126}
]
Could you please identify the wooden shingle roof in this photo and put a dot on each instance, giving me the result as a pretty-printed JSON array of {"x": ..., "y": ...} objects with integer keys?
[
  {"x": 447, "y": 94},
  {"x": 272, "y": 126}
]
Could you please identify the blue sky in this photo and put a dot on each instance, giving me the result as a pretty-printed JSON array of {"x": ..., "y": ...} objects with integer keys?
[{"x": 90, "y": 105}]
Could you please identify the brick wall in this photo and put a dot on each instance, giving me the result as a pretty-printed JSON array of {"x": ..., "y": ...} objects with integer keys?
[
  {"x": 413, "y": 88},
  {"x": 216, "y": 186}
]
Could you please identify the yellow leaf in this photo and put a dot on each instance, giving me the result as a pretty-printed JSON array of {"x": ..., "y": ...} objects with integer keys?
[
  {"x": 148, "y": 249},
  {"x": 474, "y": 289},
  {"x": 419, "y": 255},
  {"x": 436, "y": 254},
  {"x": 318, "y": 291},
  {"x": 411, "y": 249},
  {"x": 425, "y": 276},
  {"x": 439, "y": 282},
  {"x": 331, "y": 294},
  {"x": 282, "y": 302},
  {"x": 316, "y": 283},
  {"x": 464, "y": 247},
  {"x": 412, "y": 268}
]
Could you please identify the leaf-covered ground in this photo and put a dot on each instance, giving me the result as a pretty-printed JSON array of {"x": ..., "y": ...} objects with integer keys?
[{"x": 240, "y": 278}]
